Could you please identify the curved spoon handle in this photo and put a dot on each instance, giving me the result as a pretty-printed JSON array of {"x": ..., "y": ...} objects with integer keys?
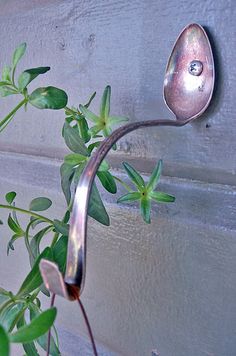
[{"x": 76, "y": 255}]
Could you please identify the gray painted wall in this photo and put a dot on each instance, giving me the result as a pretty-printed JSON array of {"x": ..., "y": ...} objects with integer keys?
[{"x": 169, "y": 286}]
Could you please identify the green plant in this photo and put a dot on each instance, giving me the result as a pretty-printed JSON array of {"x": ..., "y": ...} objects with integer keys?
[{"x": 21, "y": 317}]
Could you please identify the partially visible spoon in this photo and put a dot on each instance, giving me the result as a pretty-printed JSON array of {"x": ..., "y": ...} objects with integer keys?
[{"x": 188, "y": 88}]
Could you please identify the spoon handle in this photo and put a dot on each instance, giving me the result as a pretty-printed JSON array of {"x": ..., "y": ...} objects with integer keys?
[{"x": 76, "y": 255}]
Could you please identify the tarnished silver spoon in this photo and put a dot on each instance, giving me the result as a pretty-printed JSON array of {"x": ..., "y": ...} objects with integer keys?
[{"x": 188, "y": 88}]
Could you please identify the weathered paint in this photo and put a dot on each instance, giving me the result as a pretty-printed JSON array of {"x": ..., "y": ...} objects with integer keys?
[{"x": 170, "y": 285}]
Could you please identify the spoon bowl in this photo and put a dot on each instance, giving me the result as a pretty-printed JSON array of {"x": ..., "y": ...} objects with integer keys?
[{"x": 189, "y": 78}]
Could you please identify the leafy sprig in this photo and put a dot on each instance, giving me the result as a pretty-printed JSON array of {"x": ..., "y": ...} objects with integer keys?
[
  {"x": 82, "y": 140},
  {"x": 42, "y": 98},
  {"x": 145, "y": 192},
  {"x": 104, "y": 122}
]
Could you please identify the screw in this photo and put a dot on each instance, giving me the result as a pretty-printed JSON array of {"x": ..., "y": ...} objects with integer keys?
[{"x": 195, "y": 67}]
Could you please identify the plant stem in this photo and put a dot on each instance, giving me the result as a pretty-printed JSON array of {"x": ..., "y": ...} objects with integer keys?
[
  {"x": 72, "y": 112},
  {"x": 88, "y": 327},
  {"x": 27, "y": 244},
  {"x": 9, "y": 117},
  {"x": 49, "y": 331},
  {"x": 28, "y": 212},
  {"x": 13, "y": 76}
]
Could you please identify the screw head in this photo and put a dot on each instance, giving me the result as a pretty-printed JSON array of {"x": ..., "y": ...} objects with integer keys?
[{"x": 195, "y": 67}]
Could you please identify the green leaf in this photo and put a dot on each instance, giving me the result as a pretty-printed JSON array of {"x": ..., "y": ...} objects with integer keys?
[
  {"x": 74, "y": 159},
  {"x": 84, "y": 129},
  {"x": 67, "y": 173},
  {"x": 116, "y": 120},
  {"x": 66, "y": 217},
  {"x": 10, "y": 245},
  {"x": 30, "y": 74},
  {"x": 34, "y": 279},
  {"x": 38, "y": 326},
  {"x": 7, "y": 90},
  {"x": 89, "y": 114},
  {"x": 107, "y": 131},
  {"x": 14, "y": 226},
  {"x": 35, "y": 242},
  {"x": 18, "y": 54},
  {"x": 105, "y": 103},
  {"x": 8, "y": 315},
  {"x": 90, "y": 99},
  {"x": 6, "y": 74},
  {"x": 155, "y": 176},
  {"x": 43, "y": 340},
  {"x": 94, "y": 130},
  {"x": 93, "y": 145},
  {"x": 162, "y": 197},
  {"x": 61, "y": 227},
  {"x": 145, "y": 206},
  {"x": 3, "y": 84},
  {"x": 48, "y": 98},
  {"x": 44, "y": 290},
  {"x": 73, "y": 140},
  {"x": 29, "y": 348},
  {"x": 132, "y": 196},
  {"x": 40, "y": 204},
  {"x": 134, "y": 176},
  {"x": 10, "y": 197},
  {"x": 107, "y": 181},
  {"x": 4, "y": 343},
  {"x": 104, "y": 166},
  {"x": 96, "y": 207},
  {"x": 4, "y": 295},
  {"x": 60, "y": 253}
]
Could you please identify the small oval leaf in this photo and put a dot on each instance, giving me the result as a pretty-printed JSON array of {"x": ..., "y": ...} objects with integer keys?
[
  {"x": 48, "y": 98},
  {"x": 73, "y": 140},
  {"x": 74, "y": 159},
  {"x": 18, "y": 54},
  {"x": 10, "y": 197},
  {"x": 40, "y": 204}
]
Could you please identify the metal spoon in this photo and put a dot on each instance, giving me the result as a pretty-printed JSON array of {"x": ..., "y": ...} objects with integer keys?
[{"x": 188, "y": 88}]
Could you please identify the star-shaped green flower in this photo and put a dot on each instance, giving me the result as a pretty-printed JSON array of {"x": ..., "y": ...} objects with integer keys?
[
  {"x": 104, "y": 122},
  {"x": 145, "y": 192}
]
